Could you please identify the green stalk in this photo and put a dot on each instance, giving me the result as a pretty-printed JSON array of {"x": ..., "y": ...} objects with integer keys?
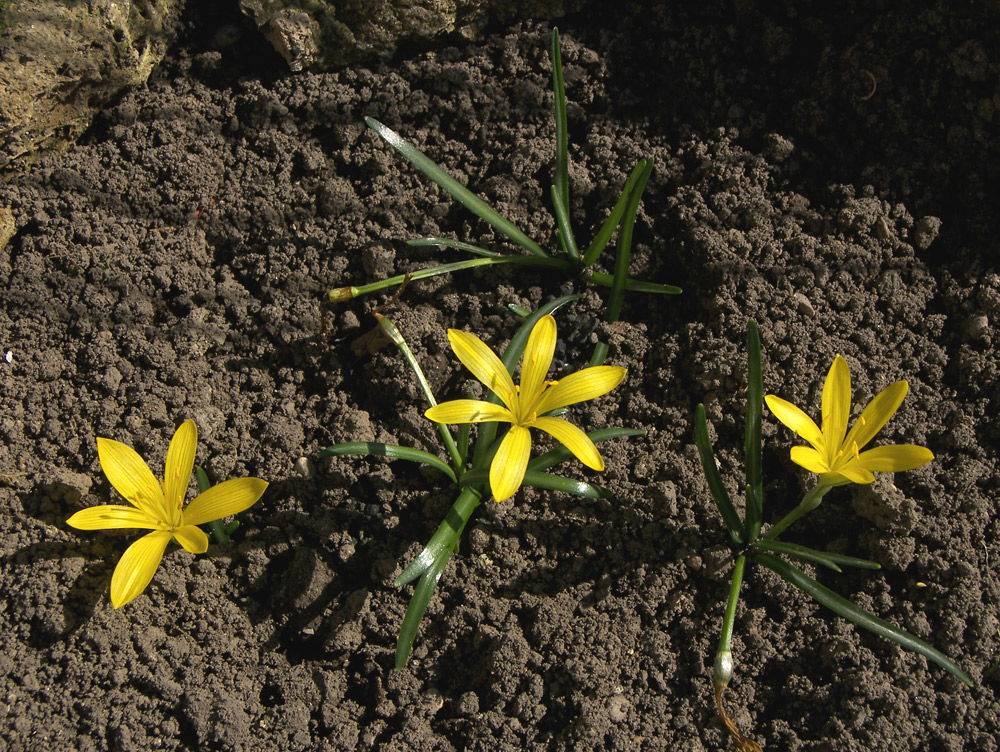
[
  {"x": 809, "y": 502},
  {"x": 723, "y": 669},
  {"x": 397, "y": 339}
]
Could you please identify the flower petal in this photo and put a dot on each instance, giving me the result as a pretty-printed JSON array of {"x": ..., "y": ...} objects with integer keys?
[
  {"x": 484, "y": 365},
  {"x": 876, "y": 415},
  {"x": 854, "y": 472},
  {"x": 468, "y": 411},
  {"x": 132, "y": 478},
  {"x": 537, "y": 359},
  {"x": 137, "y": 566},
  {"x": 810, "y": 459},
  {"x": 227, "y": 498},
  {"x": 573, "y": 439},
  {"x": 580, "y": 386},
  {"x": 895, "y": 458},
  {"x": 796, "y": 420},
  {"x": 111, "y": 516},
  {"x": 836, "y": 406},
  {"x": 177, "y": 471},
  {"x": 192, "y": 538},
  {"x": 510, "y": 462}
]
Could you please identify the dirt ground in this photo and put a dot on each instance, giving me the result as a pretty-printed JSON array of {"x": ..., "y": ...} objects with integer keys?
[{"x": 830, "y": 169}]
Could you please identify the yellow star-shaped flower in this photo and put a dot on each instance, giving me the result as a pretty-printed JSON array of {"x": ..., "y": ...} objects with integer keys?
[
  {"x": 525, "y": 406},
  {"x": 159, "y": 508},
  {"x": 836, "y": 452}
]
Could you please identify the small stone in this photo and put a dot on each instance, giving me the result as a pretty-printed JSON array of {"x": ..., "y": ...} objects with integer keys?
[
  {"x": 804, "y": 305},
  {"x": 304, "y": 467},
  {"x": 882, "y": 229}
]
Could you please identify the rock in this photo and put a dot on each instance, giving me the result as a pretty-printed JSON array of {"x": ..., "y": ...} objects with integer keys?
[
  {"x": 324, "y": 34},
  {"x": 51, "y": 90},
  {"x": 925, "y": 232}
]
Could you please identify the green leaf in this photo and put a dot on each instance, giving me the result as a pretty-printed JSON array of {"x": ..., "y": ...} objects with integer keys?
[
  {"x": 840, "y": 605},
  {"x": 755, "y": 401},
  {"x": 635, "y": 285},
  {"x": 600, "y": 241},
  {"x": 445, "y": 537},
  {"x": 828, "y": 560},
  {"x": 719, "y": 493},
  {"x": 458, "y": 191},
  {"x": 561, "y": 188},
  {"x": 389, "y": 450},
  {"x": 561, "y": 453},
  {"x": 599, "y": 354},
  {"x": 624, "y": 255},
  {"x": 418, "y": 605},
  {"x": 457, "y": 245},
  {"x": 566, "y": 238},
  {"x": 546, "y": 482}
]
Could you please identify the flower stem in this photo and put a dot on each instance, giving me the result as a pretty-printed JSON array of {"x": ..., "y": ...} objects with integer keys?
[
  {"x": 390, "y": 330},
  {"x": 809, "y": 502},
  {"x": 724, "y": 654}
]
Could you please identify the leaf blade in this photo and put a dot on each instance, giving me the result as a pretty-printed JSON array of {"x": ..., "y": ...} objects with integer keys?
[
  {"x": 457, "y": 191},
  {"x": 857, "y": 615}
]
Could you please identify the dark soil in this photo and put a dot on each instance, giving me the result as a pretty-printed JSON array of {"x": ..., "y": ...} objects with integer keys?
[{"x": 829, "y": 169}]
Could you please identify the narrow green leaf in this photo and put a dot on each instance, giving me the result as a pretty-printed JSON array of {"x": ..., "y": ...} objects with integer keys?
[
  {"x": 824, "y": 558},
  {"x": 546, "y": 482},
  {"x": 445, "y": 537},
  {"x": 840, "y": 605},
  {"x": 561, "y": 453},
  {"x": 562, "y": 140},
  {"x": 457, "y": 245},
  {"x": 624, "y": 255},
  {"x": 202, "y": 478},
  {"x": 600, "y": 240},
  {"x": 418, "y": 605},
  {"x": 755, "y": 401},
  {"x": 798, "y": 552},
  {"x": 458, "y": 191},
  {"x": 566, "y": 238},
  {"x": 719, "y": 493},
  {"x": 389, "y": 450},
  {"x": 599, "y": 354},
  {"x": 635, "y": 285}
]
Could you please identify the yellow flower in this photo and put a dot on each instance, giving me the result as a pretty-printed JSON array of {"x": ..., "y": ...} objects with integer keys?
[
  {"x": 159, "y": 508},
  {"x": 525, "y": 406},
  {"x": 836, "y": 456}
]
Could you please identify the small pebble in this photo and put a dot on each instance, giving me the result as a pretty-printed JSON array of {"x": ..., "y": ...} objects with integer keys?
[
  {"x": 304, "y": 467},
  {"x": 804, "y": 305}
]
